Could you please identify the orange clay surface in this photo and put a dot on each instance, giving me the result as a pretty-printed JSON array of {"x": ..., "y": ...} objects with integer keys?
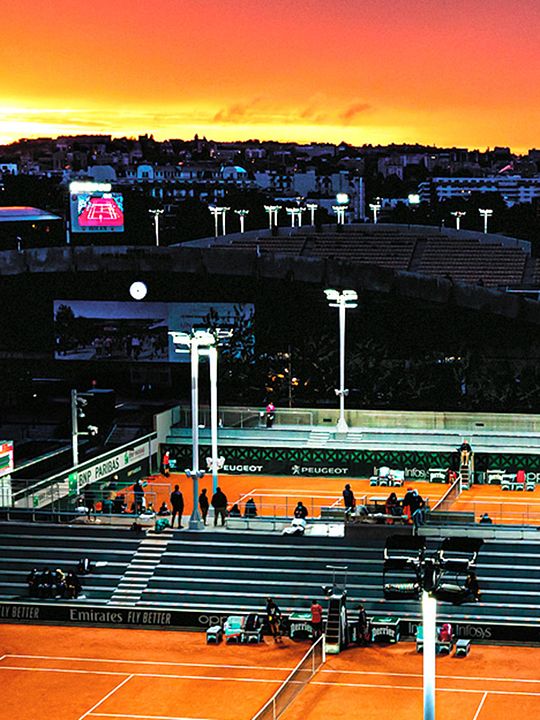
[
  {"x": 77, "y": 673},
  {"x": 278, "y": 495}
]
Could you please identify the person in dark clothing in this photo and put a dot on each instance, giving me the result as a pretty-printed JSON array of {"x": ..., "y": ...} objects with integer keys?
[
  {"x": 119, "y": 504},
  {"x": 348, "y": 498},
  {"x": 204, "y": 504},
  {"x": 32, "y": 580},
  {"x": 138, "y": 494},
  {"x": 300, "y": 511},
  {"x": 164, "y": 510},
  {"x": 273, "y": 618},
  {"x": 250, "y": 509},
  {"x": 471, "y": 583},
  {"x": 89, "y": 502},
  {"x": 486, "y": 520},
  {"x": 235, "y": 511},
  {"x": 219, "y": 503},
  {"x": 465, "y": 452},
  {"x": 177, "y": 504},
  {"x": 362, "y": 626}
]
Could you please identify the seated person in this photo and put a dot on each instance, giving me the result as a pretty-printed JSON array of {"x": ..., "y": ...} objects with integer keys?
[
  {"x": 73, "y": 585},
  {"x": 107, "y": 506},
  {"x": 300, "y": 511},
  {"x": 445, "y": 633},
  {"x": 164, "y": 510},
  {"x": 520, "y": 477},
  {"x": 235, "y": 511},
  {"x": 486, "y": 520},
  {"x": 32, "y": 580},
  {"x": 59, "y": 587},
  {"x": 392, "y": 505},
  {"x": 471, "y": 584},
  {"x": 297, "y": 527},
  {"x": 250, "y": 509},
  {"x": 119, "y": 504}
]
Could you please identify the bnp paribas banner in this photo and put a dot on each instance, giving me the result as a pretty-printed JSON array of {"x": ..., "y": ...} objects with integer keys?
[{"x": 342, "y": 463}]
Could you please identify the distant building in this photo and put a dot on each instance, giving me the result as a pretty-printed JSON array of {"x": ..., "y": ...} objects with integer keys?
[{"x": 513, "y": 189}]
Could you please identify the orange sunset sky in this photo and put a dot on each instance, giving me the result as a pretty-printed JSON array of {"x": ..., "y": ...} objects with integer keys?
[{"x": 448, "y": 72}]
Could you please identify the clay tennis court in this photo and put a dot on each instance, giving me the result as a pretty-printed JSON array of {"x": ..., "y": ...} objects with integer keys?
[
  {"x": 278, "y": 495},
  {"x": 79, "y": 673}
]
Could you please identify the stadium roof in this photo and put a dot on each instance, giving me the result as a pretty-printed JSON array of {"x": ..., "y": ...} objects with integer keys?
[{"x": 25, "y": 214}]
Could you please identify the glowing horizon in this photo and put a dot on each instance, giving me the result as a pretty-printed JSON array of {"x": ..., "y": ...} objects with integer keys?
[{"x": 388, "y": 71}]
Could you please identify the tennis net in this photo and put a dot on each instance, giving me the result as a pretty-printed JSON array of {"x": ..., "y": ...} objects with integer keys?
[
  {"x": 449, "y": 497},
  {"x": 294, "y": 684}
]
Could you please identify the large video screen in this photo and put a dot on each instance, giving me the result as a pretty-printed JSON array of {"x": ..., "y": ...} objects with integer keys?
[
  {"x": 97, "y": 212},
  {"x": 138, "y": 331}
]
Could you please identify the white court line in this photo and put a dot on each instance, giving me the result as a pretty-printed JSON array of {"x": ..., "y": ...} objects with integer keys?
[
  {"x": 217, "y": 678},
  {"x": 482, "y": 701},
  {"x": 149, "y": 662},
  {"x": 420, "y": 688},
  {"x": 3, "y": 656},
  {"x": 258, "y": 667},
  {"x": 439, "y": 677},
  {"x": 107, "y": 696},
  {"x": 65, "y": 670},
  {"x": 145, "y": 717},
  {"x": 272, "y": 493},
  {"x": 243, "y": 497},
  {"x": 499, "y": 500}
]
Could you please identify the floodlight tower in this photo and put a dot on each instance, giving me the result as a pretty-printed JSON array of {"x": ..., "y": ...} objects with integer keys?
[
  {"x": 346, "y": 300},
  {"x": 312, "y": 207},
  {"x": 458, "y": 214},
  {"x": 485, "y": 213},
  {"x": 295, "y": 212},
  {"x": 195, "y": 341},
  {"x": 224, "y": 211},
  {"x": 272, "y": 211},
  {"x": 216, "y": 212},
  {"x": 375, "y": 207},
  {"x": 340, "y": 211},
  {"x": 157, "y": 214},
  {"x": 409, "y": 573},
  {"x": 242, "y": 216}
]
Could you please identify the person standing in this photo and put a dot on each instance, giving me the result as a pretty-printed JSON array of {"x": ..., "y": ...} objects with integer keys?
[
  {"x": 166, "y": 463},
  {"x": 219, "y": 503},
  {"x": 348, "y": 499},
  {"x": 177, "y": 504},
  {"x": 273, "y": 618},
  {"x": 138, "y": 496},
  {"x": 270, "y": 414},
  {"x": 204, "y": 504},
  {"x": 316, "y": 619}
]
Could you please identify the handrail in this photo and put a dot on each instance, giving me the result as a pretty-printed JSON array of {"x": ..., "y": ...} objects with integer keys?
[{"x": 64, "y": 474}]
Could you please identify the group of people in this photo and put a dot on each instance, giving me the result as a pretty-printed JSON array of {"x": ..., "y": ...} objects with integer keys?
[
  {"x": 275, "y": 622},
  {"x": 53, "y": 583},
  {"x": 250, "y": 509}
]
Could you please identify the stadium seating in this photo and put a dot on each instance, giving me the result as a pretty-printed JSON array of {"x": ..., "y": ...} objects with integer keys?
[
  {"x": 237, "y": 571},
  {"x": 464, "y": 260},
  {"x": 27, "y": 545}
]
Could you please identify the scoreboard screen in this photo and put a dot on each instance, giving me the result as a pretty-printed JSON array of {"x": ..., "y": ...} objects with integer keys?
[{"x": 97, "y": 212}]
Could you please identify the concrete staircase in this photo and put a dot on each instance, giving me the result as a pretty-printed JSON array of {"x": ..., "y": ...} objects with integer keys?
[{"x": 141, "y": 569}]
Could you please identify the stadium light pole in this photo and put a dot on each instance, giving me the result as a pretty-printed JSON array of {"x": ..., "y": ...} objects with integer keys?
[
  {"x": 194, "y": 341},
  {"x": 340, "y": 211},
  {"x": 156, "y": 214},
  {"x": 272, "y": 211},
  {"x": 458, "y": 214},
  {"x": 485, "y": 213},
  {"x": 224, "y": 211},
  {"x": 375, "y": 207},
  {"x": 242, "y": 217},
  {"x": 312, "y": 207},
  {"x": 345, "y": 300}
]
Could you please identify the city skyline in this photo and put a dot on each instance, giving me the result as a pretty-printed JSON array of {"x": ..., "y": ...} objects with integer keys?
[{"x": 384, "y": 72}]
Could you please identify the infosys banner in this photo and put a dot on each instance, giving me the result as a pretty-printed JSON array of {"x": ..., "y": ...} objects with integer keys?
[{"x": 110, "y": 616}]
